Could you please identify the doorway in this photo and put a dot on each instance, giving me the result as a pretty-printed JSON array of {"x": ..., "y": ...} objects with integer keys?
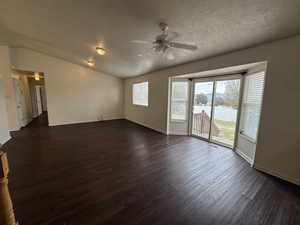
[
  {"x": 30, "y": 96},
  {"x": 38, "y": 100},
  {"x": 215, "y": 109}
]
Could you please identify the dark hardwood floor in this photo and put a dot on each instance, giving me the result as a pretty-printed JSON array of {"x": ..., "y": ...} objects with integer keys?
[{"x": 117, "y": 172}]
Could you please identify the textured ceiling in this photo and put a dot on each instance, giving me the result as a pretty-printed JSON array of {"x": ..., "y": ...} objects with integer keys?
[{"x": 72, "y": 29}]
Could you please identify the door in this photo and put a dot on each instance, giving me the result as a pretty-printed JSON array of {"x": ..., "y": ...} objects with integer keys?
[
  {"x": 202, "y": 109},
  {"x": 38, "y": 100},
  {"x": 225, "y": 111},
  {"x": 43, "y": 98},
  {"x": 215, "y": 109}
]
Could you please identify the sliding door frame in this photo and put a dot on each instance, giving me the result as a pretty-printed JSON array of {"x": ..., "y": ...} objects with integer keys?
[
  {"x": 191, "y": 115},
  {"x": 214, "y": 79}
]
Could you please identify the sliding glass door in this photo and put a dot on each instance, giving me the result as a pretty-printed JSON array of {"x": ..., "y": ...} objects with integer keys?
[
  {"x": 225, "y": 111},
  {"x": 202, "y": 108},
  {"x": 215, "y": 110}
]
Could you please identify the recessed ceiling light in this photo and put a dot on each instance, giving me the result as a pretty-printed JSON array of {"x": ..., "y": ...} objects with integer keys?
[
  {"x": 90, "y": 63},
  {"x": 100, "y": 51}
]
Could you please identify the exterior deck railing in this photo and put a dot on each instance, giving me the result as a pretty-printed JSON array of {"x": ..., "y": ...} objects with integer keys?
[{"x": 201, "y": 125}]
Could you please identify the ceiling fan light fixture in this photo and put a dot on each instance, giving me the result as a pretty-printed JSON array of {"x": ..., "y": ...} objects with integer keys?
[
  {"x": 100, "y": 51},
  {"x": 163, "y": 26}
]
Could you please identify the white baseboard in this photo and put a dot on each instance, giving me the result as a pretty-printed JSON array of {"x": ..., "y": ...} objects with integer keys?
[
  {"x": 78, "y": 122},
  {"x": 244, "y": 156},
  {"x": 69, "y": 123},
  {"x": 28, "y": 121},
  {"x": 5, "y": 139},
  {"x": 14, "y": 129},
  {"x": 178, "y": 133},
  {"x": 276, "y": 174},
  {"x": 144, "y": 125}
]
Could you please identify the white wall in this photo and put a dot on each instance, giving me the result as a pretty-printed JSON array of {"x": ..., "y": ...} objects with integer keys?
[
  {"x": 5, "y": 66},
  {"x": 278, "y": 141},
  {"x": 155, "y": 115},
  {"x": 4, "y": 130},
  {"x": 4, "y": 74},
  {"x": 24, "y": 105},
  {"x": 74, "y": 93}
]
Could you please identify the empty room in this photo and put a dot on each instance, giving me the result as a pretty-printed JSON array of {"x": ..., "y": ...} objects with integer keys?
[{"x": 150, "y": 112}]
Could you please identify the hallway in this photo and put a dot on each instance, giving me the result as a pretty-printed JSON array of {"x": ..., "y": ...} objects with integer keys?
[
  {"x": 40, "y": 121},
  {"x": 117, "y": 172}
]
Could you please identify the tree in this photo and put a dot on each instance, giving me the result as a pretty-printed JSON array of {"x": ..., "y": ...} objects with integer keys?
[
  {"x": 219, "y": 101},
  {"x": 201, "y": 99},
  {"x": 232, "y": 89}
]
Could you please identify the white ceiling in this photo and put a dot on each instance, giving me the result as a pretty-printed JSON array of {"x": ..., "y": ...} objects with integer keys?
[{"x": 72, "y": 29}]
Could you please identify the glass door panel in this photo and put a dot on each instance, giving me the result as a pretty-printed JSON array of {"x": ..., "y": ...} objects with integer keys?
[
  {"x": 202, "y": 106},
  {"x": 225, "y": 111}
]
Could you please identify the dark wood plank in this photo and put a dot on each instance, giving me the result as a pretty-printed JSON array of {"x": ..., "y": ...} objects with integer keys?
[{"x": 117, "y": 172}]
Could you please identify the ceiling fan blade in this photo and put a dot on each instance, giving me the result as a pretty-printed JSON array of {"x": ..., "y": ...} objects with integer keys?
[
  {"x": 183, "y": 46},
  {"x": 141, "y": 42},
  {"x": 161, "y": 37},
  {"x": 170, "y": 56}
]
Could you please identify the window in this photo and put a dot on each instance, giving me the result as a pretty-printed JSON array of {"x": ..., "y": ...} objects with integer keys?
[
  {"x": 179, "y": 100},
  {"x": 140, "y": 94},
  {"x": 252, "y": 101}
]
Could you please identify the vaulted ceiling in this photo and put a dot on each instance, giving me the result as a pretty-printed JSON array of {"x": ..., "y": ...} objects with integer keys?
[{"x": 72, "y": 29}]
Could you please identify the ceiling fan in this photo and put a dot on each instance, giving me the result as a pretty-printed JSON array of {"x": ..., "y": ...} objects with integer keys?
[{"x": 164, "y": 41}]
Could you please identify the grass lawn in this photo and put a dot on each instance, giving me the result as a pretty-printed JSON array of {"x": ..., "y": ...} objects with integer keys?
[{"x": 227, "y": 129}]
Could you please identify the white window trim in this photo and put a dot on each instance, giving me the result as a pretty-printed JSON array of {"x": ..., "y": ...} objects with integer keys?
[
  {"x": 138, "y": 105},
  {"x": 187, "y": 102},
  {"x": 251, "y": 139}
]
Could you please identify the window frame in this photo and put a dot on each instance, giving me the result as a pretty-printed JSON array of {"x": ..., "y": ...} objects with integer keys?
[
  {"x": 244, "y": 105},
  {"x": 132, "y": 94},
  {"x": 187, "y": 103}
]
